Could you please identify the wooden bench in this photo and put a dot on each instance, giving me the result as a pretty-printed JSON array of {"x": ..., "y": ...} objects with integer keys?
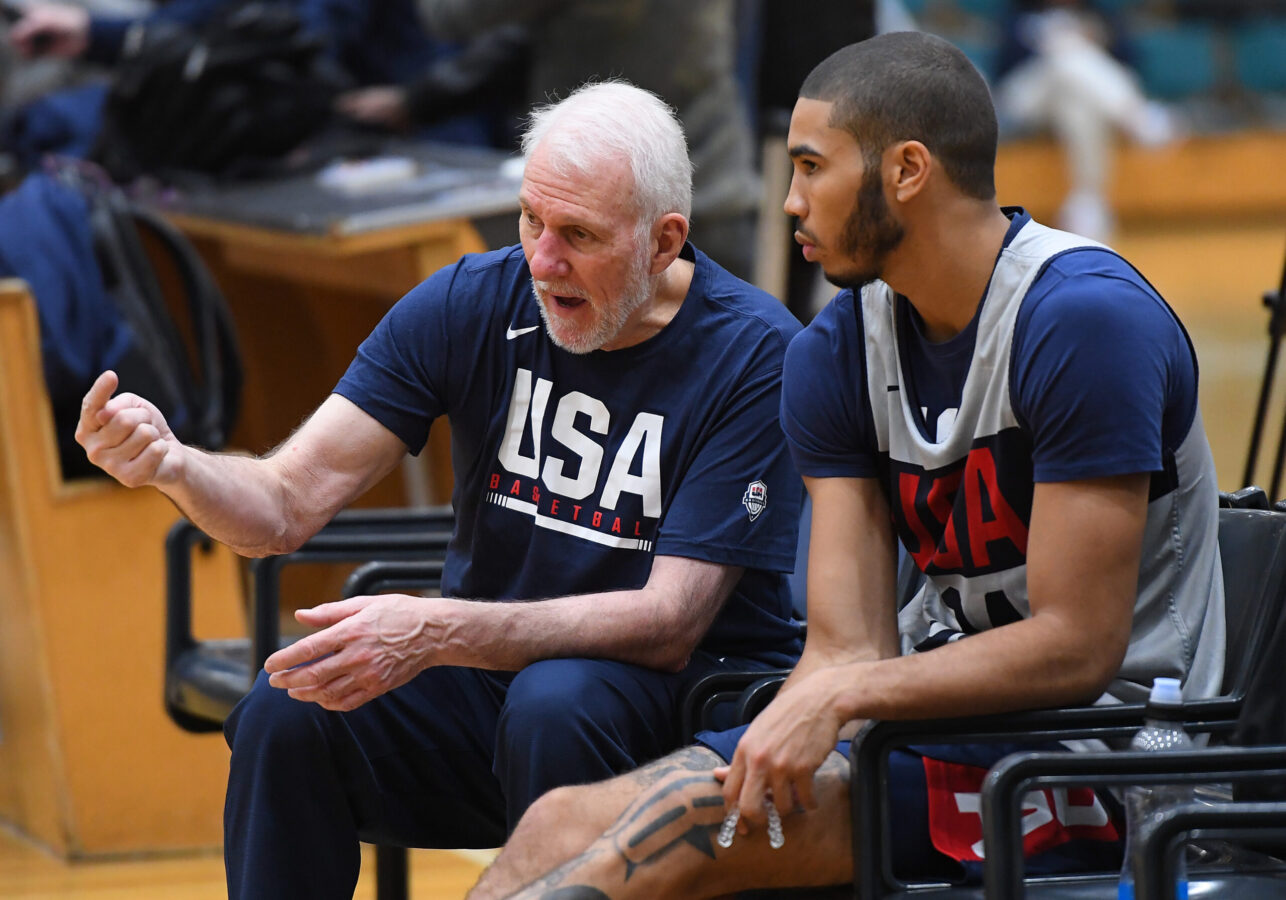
[
  {"x": 1205, "y": 177},
  {"x": 89, "y": 763}
]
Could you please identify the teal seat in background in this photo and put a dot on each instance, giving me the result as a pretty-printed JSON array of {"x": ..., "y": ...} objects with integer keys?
[
  {"x": 987, "y": 9},
  {"x": 1259, "y": 55},
  {"x": 1176, "y": 62}
]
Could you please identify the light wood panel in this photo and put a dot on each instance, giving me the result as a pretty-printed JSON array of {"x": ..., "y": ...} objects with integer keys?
[
  {"x": 1215, "y": 275},
  {"x": 303, "y": 303},
  {"x": 89, "y": 762},
  {"x": 1205, "y": 220},
  {"x": 1212, "y": 177},
  {"x": 28, "y": 873}
]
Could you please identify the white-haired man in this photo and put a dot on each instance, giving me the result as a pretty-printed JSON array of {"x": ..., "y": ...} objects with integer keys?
[{"x": 622, "y": 468}]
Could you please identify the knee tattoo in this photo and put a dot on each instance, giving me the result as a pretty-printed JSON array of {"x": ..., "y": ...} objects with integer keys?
[{"x": 687, "y": 809}]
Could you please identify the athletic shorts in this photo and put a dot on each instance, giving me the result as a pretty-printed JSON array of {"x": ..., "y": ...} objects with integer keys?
[{"x": 937, "y": 833}]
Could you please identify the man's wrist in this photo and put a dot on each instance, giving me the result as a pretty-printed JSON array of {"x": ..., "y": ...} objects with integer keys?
[{"x": 842, "y": 689}]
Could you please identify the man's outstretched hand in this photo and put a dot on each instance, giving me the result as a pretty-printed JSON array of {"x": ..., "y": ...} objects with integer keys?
[{"x": 126, "y": 436}]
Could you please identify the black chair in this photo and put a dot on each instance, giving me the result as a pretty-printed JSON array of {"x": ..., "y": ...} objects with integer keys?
[
  {"x": 403, "y": 549},
  {"x": 1252, "y": 539},
  {"x": 1154, "y": 858},
  {"x": 1155, "y": 872},
  {"x": 1253, "y": 551},
  {"x": 205, "y": 679}
]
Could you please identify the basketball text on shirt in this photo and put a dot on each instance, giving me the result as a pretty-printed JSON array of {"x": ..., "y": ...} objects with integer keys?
[{"x": 556, "y": 488}]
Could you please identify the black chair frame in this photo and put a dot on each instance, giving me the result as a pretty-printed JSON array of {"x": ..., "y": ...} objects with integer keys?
[
  {"x": 205, "y": 679},
  {"x": 1011, "y": 778},
  {"x": 1216, "y": 716},
  {"x": 1155, "y": 865}
]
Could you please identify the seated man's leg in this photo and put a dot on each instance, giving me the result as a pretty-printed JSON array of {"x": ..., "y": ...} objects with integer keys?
[
  {"x": 412, "y": 767},
  {"x": 565, "y": 821},
  {"x": 574, "y": 721},
  {"x": 661, "y": 839}
]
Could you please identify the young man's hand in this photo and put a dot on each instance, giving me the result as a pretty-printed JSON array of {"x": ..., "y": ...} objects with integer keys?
[{"x": 782, "y": 749}]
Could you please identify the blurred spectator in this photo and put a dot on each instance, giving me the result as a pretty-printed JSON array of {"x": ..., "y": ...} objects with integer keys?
[
  {"x": 490, "y": 71},
  {"x": 684, "y": 51},
  {"x": 893, "y": 15},
  {"x": 1062, "y": 66},
  {"x": 374, "y": 42},
  {"x": 22, "y": 79},
  {"x": 790, "y": 46}
]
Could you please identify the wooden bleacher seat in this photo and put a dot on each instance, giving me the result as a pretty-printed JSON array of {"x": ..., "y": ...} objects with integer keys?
[
  {"x": 1199, "y": 179},
  {"x": 89, "y": 763}
]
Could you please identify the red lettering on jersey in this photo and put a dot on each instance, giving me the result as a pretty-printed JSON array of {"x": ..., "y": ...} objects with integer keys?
[
  {"x": 1051, "y": 816},
  {"x": 980, "y": 473},
  {"x": 553, "y": 507},
  {"x": 516, "y": 490},
  {"x": 495, "y": 480},
  {"x": 948, "y": 557},
  {"x": 908, "y": 486},
  {"x": 637, "y": 523},
  {"x": 598, "y": 518},
  {"x": 941, "y": 496},
  {"x": 535, "y": 493},
  {"x": 616, "y": 526},
  {"x": 575, "y": 513}
]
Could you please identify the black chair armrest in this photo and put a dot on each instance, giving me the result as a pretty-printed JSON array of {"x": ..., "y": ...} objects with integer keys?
[
  {"x": 758, "y": 695},
  {"x": 352, "y": 536},
  {"x": 1011, "y": 778},
  {"x": 205, "y": 679},
  {"x": 870, "y": 753},
  {"x": 1155, "y": 872},
  {"x": 390, "y": 575},
  {"x": 716, "y": 691},
  {"x": 182, "y": 538}
]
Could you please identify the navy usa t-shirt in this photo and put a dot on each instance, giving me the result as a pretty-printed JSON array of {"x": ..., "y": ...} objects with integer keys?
[{"x": 573, "y": 471}]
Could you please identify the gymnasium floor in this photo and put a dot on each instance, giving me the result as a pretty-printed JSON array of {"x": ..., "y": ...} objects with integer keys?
[
  {"x": 26, "y": 873},
  {"x": 1214, "y": 276}
]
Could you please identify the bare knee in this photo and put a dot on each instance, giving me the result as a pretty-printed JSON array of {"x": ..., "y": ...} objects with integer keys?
[{"x": 563, "y": 817}]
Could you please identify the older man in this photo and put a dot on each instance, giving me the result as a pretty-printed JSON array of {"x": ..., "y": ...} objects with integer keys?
[{"x": 613, "y": 400}]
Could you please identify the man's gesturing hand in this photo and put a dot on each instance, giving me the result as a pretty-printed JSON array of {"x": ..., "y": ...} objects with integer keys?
[
  {"x": 372, "y": 645},
  {"x": 126, "y": 436}
]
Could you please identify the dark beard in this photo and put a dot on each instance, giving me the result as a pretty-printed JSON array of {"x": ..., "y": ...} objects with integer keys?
[{"x": 871, "y": 231}]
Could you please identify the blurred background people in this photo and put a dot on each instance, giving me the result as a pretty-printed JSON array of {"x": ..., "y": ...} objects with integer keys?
[
  {"x": 683, "y": 51},
  {"x": 1062, "y": 66},
  {"x": 366, "y": 43}
]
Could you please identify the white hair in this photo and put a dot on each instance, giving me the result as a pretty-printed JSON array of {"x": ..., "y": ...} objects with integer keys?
[{"x": 614, "y": 118}]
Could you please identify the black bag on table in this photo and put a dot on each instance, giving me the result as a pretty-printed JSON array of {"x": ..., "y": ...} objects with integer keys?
[{"x": 229, "y": 98}]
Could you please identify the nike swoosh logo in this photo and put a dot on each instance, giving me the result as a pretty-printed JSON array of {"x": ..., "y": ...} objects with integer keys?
[{"x": 511, "y": 332}]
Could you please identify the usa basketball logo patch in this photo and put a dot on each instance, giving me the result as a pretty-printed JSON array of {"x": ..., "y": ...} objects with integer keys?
[{"x": 755, "y": 499}]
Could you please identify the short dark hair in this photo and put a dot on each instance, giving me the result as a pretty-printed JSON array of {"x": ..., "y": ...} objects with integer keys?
[{"x": 913, "y": 86}]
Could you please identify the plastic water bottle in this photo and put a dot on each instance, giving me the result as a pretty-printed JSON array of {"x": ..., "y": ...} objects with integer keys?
[{"x": 1162, "y": 732}]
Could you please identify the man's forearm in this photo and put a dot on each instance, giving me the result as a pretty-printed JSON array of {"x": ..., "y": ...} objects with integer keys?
[
  {"x": 1025, "y": 665},
  {"x": 239, "y": 501},
  {"x": 508, "y": 636},
  {"x": 658, "y": 625}
]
